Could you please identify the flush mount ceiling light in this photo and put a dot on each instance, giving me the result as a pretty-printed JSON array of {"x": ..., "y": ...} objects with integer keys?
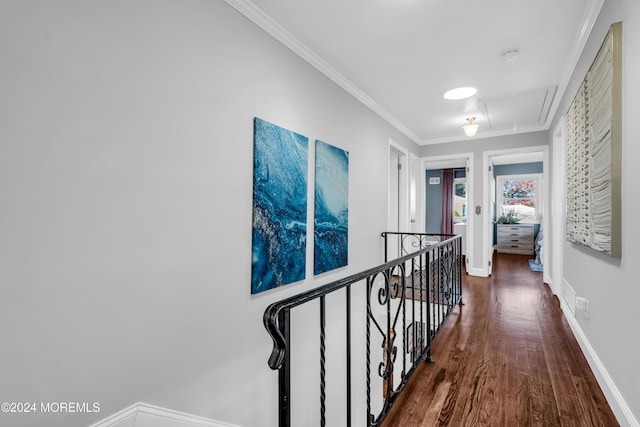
[
  {"x": 460, "y": 93},
  {"x": 470, "y": 128}
]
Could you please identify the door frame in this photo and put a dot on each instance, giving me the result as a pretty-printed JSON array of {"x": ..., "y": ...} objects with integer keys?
[
  {"x": 444, "y": 162},
  {"x": 487, "y": 234},
  {"x": 403, "y": 188},
  {"x": 558, "y": 210}
]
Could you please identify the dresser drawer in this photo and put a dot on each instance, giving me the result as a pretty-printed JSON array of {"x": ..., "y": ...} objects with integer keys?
[
  {"x": 519, "y": 248},
  {"x": 514, "y": 238}
]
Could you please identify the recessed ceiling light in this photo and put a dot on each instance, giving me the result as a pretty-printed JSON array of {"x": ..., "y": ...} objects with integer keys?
[{"x": 460, "y": 93}]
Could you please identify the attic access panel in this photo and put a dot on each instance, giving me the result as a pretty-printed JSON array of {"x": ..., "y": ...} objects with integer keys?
[{"x": 519, "y": 111}]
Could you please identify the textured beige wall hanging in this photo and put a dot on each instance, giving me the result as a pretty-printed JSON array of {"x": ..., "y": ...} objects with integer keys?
[{"x": 594, "y": 152}]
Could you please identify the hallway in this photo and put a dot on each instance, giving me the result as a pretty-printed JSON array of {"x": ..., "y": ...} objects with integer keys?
[{"x": 506, "y": 358}]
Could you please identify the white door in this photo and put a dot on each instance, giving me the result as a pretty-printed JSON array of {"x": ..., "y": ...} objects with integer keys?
[
  {"x": 557, "y": 211},
  {"x": 398, "y": 195},
  {"x": 395, "y": 203},
  {"x": 395, "y": 167},
  {"x": 414, "y": 193},
  {"x": 491, "y": 214}
]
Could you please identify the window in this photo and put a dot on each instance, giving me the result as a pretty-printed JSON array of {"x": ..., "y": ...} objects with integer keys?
[
  {"x": 460, "y": 200},
  {"x": 517, "y": 197}
]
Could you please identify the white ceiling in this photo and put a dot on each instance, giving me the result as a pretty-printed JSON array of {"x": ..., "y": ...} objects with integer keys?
[{"x": 399, "y": 56}]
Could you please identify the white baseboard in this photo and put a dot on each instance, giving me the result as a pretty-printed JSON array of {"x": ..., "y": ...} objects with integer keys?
[
  {"x": 618, "y": 405},
  {"x": 480, "y": 272},
  {"x": 144, "y": 415}
]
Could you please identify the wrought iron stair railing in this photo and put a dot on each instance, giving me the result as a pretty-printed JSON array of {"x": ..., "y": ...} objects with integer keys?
[{"x": 401, "y": 302}]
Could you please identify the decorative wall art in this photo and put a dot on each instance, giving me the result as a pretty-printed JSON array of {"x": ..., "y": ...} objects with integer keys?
[
  {"x": 594, "y": 153},
  {"x": 280, "y": 166},
  {"x": 331, "y": 222}
]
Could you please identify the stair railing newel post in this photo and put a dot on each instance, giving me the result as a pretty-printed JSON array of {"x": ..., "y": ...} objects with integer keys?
[
  {"x": 281, "y": 359},
  {"x": 285, "y": 371}
]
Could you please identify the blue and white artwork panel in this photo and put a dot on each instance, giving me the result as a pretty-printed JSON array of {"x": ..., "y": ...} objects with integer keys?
[
  {"x": 279, "y": 206},
  {"x": 331, "y": 207}
]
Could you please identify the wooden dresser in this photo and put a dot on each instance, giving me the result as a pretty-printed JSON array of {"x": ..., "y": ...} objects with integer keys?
[{"x": 515, "y": 238}]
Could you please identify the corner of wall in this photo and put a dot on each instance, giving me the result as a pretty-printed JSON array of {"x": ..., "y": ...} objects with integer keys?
[{"x": 145, "y": 415}]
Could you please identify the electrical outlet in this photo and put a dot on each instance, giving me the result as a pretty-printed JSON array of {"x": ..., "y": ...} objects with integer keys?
[
  {"x": 585, "y": 309},
  {"x": 583, "y": 304}
]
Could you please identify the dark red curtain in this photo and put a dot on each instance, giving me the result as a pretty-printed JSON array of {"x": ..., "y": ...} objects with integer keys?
[{"x": 448, "y": 177}]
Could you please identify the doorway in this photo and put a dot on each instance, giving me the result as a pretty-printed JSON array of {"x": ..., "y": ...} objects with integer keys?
[
  {"x": 397, "y": 215},
  {"x": 398, "y": 191},
  {"x": 519, "y": 161},
  {"x": 431, "y": 207}
]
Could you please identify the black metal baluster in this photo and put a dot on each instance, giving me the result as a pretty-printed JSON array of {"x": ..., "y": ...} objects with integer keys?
[
  {"x": 441, "y": 279},
  {"x": 368, "y": 368},
  {"x": 423, "y": 298},
  {"x": 322, "y": 362},
  {"x": 430, "y": 296},
  {"x": 460, "y": 267},
  {"x": 403, "y": 301},
  {"x": 348, "y": 291},
  {"x": 388, "y": 367},
  {"x": 413, "y": 314}
]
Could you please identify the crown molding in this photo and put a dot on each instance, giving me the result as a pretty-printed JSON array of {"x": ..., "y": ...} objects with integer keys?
[
  {"x": 264, "y": 21},
  {"x": 588, "y": 21}
]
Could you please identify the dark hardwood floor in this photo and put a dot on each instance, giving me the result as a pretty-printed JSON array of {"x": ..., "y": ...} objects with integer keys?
[{"x": 506, "y": 358}]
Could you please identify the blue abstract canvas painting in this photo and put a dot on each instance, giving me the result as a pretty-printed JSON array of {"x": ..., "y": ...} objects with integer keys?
[
  {"x": 279, "y": 206},
  {"x": 331, "y": 205}
]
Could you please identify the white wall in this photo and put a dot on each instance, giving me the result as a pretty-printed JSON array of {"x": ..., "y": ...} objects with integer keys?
[
  {"x": 126, "y": 184},
  {"x": 610, "y": 284}
]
